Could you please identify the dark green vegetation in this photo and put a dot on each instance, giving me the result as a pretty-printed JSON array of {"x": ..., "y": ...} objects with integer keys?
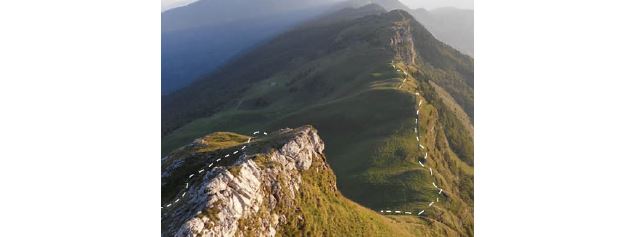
[{"x": 336, "y": 74}]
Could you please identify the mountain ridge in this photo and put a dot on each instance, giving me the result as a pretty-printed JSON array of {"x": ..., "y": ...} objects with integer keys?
[
  {"x": 371, "y": 85},
  {"x": 203, "y": 44},
  {"x": 280, "y": 185}
]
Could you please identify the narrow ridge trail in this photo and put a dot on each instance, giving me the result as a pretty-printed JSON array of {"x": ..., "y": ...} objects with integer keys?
[
  {"x": 421, "y": 148},
  {"x": 209, "y": 167}
]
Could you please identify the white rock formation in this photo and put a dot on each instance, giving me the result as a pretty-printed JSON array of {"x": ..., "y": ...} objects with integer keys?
[{"x": 249, "y": 193}]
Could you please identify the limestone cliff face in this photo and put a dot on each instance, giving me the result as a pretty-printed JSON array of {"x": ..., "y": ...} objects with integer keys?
[
  {"x": 245, "y": 196},
  {"x": 402, "y": 41}
]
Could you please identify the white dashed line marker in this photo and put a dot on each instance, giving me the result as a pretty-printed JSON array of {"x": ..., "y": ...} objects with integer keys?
[
  {"x": 418, "y": 214},
  {"x": 421, "y": 164},
  {"x": 256, "y": 132},
  {"x": 388, "y": 211},
  {"x": 169, "y": 205},
  {"x": 435, "y": 185},
  {"x": 415, "y": 129},
  {"x": 192, "y": 175},
  {"x": 217, "y": 160},
  {"x": 437, "y": 199},
  {"x": 243, "y": 148},
  {"x": 417, "y": 138},
  {"x": 421, "y": 146},
  {"x": 183, "y": 195},
  {"x": 420, "y": 103},
  {"x": 187, "y": 185},
  {"x": 200, "y": 171},
  {"x": 265, "y": 133},
  {"x": 210, "y": 165},
  {"x": 430, "y": 171},
  {"x": 409, "y": 213},
  {"x": 440, "y": 190},
  {"x": 226, "y": 155},
  {"x": 397, "y": 211},
  {"x": 235, "y": 152},
  {"x": 417, "y": 112},
  {"x": 382, "y": 211},
  {"x": 177, "y": 200},
  {"x": 426, "y": 156},
  {"x": 249, "y": 140},
  {"x": 430, "y": 204}
]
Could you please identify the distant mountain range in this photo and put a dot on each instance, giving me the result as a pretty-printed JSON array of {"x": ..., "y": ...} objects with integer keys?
[
  {"x": 453, "y": 26},
  {"x": 393, "y": 104},
  {"x": 198, "y": 38}
]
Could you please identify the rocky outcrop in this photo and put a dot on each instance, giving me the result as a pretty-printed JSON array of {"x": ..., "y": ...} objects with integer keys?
[
  {"x": 402, "y": 41},
  {"x": 243, "y": 198}
]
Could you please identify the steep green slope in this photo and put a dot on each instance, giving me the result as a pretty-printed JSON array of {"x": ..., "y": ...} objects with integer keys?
[
  {"x": 359, "y": 82},
  {"x": 314, "y": 208}
]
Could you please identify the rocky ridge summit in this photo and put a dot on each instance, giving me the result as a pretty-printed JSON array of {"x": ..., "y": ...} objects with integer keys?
[{"x": 280, "y": 185}]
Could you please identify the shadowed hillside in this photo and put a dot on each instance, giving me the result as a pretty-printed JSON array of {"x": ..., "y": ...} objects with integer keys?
[{"x": 199, "y": 38}]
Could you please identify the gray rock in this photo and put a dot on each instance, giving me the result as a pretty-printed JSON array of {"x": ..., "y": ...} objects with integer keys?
[{"x": 223, "y": 204}]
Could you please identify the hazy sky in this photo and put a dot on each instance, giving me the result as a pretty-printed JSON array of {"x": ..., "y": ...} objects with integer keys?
[
  {"x": 431, "y": 4},
  {"x": 427, "y": 4}
]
